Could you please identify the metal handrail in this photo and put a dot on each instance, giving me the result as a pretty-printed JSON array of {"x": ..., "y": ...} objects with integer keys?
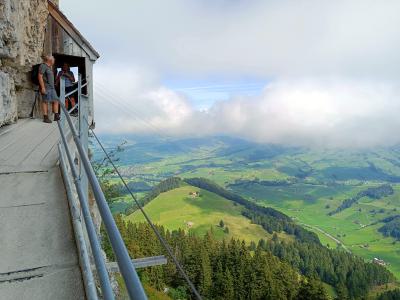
[
  {"x": 90, "y": 228},
  {"x": 127, "y": 269},
  {"x": 72, "y": 109},
  {"x": 88, "y": 279},
  {"x": 75, "y": 90}
]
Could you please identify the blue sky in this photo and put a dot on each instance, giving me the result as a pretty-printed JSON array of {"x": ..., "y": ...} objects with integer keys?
[{"x": 203, "y": 93}]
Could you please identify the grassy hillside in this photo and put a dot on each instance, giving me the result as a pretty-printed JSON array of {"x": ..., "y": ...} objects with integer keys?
[
  {"x": 177, "y": 209},
  {"x": 183, "y": 208},
  {"x": 305, "y": 184},
  {"x": 354, "y": 227}
]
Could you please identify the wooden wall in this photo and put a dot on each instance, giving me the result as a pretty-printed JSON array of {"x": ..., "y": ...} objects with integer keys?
[{"x": 59, "y": 42}]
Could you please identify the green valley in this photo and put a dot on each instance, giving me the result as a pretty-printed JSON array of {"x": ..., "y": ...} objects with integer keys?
[
  {"x": 334, "y": 193},
  {"x": 184, "y": 208}
]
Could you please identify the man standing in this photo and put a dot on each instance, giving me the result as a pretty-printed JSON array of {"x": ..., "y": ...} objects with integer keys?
[
  {"x": 69, "y": 77},
  {"x": 47, "y": 88}
]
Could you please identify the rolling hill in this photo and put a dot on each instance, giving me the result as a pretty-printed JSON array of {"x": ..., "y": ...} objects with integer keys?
[
  {"x": 198, "y": 205},
  {"x": 305, "y": 184},
  {"x": 199, "y": 213},
  {"x": 356, "y": 228}
]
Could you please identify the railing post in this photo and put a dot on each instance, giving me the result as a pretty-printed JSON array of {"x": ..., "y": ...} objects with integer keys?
[
  {"x": 87, "y": 274},
  {"x": 132, "y": 281},
  {"x": 83, "y": 133},
  {"x": 91, "y": 231},
  {"x": 62, "y": 100},
  {"x": 80, "y": 106}
]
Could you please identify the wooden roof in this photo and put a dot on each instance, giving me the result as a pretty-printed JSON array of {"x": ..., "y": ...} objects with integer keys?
[{"x": 67, "y": 25}]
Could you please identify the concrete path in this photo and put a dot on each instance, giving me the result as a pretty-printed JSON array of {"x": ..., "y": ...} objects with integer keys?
[{"x": 38, "y": 256}]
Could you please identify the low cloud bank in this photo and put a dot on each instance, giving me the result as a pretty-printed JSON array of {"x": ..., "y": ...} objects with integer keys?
[
  {"x": 334, "y": 66},
  {"x": 255, "y": 38},
  {"x": 303, "y": 112}
]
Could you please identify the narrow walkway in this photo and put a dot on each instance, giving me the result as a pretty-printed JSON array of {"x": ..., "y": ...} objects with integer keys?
[{"x": 38, "y": 256}]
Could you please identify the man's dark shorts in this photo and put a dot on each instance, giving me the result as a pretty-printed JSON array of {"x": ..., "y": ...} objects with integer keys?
[
  {"x": 50, "y": 96},
  {"x": 69, "y": 89}
]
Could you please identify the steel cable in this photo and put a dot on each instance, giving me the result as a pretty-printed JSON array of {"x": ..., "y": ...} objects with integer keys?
[{"x": 160, "y": 238}]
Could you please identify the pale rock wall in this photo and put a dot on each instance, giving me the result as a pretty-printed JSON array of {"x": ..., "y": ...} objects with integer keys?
[{"x": 22, "y": 29}]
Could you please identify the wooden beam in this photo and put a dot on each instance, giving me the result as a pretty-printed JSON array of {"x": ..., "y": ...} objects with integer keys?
[
  {"x": 71, "y": 30},
  {"x": 141, "y": 263}
]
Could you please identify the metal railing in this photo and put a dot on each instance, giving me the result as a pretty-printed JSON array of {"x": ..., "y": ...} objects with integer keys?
[{"x": 133, "y": 285}]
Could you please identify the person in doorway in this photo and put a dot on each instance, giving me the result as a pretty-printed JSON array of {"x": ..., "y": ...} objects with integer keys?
[
  {"x": 69, "y": 77},
  {"x": 47, "y": 88}
]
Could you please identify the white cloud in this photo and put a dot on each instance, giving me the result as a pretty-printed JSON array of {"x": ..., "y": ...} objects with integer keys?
[
  {"x": 333, "y": 67},
  {"x": 246, "y": 37},
  {"x": 307, "y": 112},
  {"x": 131, "y": 103},
  {"x": 315, "y": 113}
]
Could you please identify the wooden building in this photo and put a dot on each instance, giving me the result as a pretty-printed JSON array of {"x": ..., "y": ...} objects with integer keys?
[{"x": 67, "y": 45}]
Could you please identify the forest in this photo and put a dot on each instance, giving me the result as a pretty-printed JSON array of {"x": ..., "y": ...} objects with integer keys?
[
  {"x": 373, "y": 193},
  {"x": 233, "y": 172},
  {"x": 390, "y": 295},
  {"x": 351, "y": 276},
  {"x": 163, "y": 186},
  {"x": 391, "y": 227},
  {"x": 221, "y": 270}
]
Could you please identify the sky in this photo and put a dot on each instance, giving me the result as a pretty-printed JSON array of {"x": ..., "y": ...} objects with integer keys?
[{"x": 304, "y": 73}]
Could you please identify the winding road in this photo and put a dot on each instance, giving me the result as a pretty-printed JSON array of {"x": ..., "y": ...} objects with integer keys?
[{"x": 328, "y": 235}]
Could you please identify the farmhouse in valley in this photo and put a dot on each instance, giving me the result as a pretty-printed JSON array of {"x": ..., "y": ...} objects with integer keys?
[
  {"x": 194, "y": 194},
  {"x": 379, "y": 261}
]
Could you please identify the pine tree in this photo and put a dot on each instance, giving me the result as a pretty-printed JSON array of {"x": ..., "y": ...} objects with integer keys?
[
  {"x": 312, "y": 290},
  {"x": 341, "y": 292},
  {"x": 252, "y": 246},
  {"x": 233, "y": 270},
  {"x": 228, "y": 290},
  {"x": 218, "y": 279},
  {"x": 206, "y": 271}
]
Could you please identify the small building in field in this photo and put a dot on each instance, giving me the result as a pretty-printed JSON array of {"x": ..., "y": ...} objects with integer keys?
[
  {"x": 194, "y": 194},
  {"x": 379, "y": 261},
  {"x": 189, "y": 224}
]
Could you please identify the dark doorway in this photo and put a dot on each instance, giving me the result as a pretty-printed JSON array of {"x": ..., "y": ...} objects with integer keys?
[{"x": 77, "y": 64}]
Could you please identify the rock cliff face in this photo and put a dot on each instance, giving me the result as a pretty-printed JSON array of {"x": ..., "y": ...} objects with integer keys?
[{"x": 22, "y": 31}]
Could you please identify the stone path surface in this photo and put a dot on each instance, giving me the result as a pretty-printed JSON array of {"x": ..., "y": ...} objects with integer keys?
[{"x": 38, "y": 256}]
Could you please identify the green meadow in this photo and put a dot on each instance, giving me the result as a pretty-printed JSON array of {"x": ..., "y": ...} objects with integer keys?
[
  {"x": 354, "y": 227},
  {"x": 177, "y": 209},
  {"x": 317, "y": 181}
]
